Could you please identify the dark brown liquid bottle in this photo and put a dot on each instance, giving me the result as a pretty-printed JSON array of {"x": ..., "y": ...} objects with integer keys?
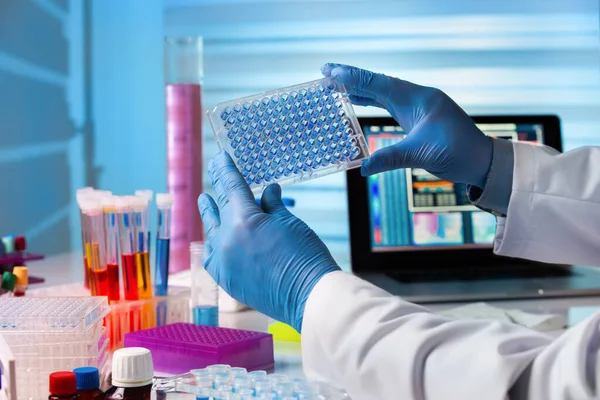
[
  {"x": 132, "y": 374},
  {"x": 88, "y": 383},
  {"x": 63, "y": 386}
]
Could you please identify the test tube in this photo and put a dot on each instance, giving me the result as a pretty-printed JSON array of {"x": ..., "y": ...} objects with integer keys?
[
  {"x": 142, "y": 255},
  {"x": 92, "y": 208},
  {"x": 111, "y": 229},
  {"x": 164, "y": 202},
  {"x": 81, "y": 194},
  {"x": 146, "y": 194},
  {"x": 127, "y": 242},
  {"x": 205, "y": 293}
]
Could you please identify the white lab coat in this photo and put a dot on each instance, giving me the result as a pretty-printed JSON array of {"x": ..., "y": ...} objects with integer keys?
[{"x": 380, "y": 347}]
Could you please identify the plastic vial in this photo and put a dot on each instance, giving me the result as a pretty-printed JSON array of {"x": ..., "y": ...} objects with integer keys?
[
  {"x": 63, "y": 386},
  {"x": 22, "y": 279},
  {"x": 238, "y": 372},
  {"x": 88, "y": 383},
  {"x": 218, "y": 368},
  {"x": 205, "y": 292},
  {"x": 132, "y": 374}
]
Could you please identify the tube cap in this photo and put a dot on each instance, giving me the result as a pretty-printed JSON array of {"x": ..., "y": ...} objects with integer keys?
[
  {"x": 20, "y": 243},
  {"x": 147, "y": 194},
  {"x": 62, "y": 383},
  {"x": 164, "y": 200},
  {"x": 9, "y": 243},
  {"x": 8, "y": 281},
  {"x": 87, "y": 378},
  {"x": 21, "y": 275},
  {"x": 132, "y": 367}
]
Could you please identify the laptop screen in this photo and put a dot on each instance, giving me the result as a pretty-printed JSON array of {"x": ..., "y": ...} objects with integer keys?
[{"x": 412, "y": 210}]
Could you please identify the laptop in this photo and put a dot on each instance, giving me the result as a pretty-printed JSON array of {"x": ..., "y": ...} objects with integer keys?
[{"x": 418, "y": 236}]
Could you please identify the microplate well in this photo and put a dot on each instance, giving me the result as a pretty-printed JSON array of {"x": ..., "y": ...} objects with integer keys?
[{"x": 290, "y": 135}]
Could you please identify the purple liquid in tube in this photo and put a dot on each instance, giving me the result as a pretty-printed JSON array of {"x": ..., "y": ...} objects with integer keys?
[{"x": 184, "y": 148}]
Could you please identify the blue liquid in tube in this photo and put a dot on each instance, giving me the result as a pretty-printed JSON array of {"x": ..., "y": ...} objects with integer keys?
[
  {"x": 161, "y": 276},
  {"x": 206, "y": 315}
]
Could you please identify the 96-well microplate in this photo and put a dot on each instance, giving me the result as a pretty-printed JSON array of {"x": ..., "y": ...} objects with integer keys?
[{"x": 290, "y": 135}]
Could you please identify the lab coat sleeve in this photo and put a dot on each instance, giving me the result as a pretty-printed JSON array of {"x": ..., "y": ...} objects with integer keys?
[
  {"x": 554, "y": 209},
  {"x": 379, "y": 347}
]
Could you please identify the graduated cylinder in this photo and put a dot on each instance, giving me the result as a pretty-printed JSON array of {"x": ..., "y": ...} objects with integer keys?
[{"x": 183, "y": 91}]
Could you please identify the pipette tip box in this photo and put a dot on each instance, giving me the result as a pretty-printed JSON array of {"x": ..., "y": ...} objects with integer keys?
[
  {"x": 181, "y": 347},
  {"x": 290, "y": 135},
  {"x": 51, "y": 313},
  {"x": 51, "y": 334}
]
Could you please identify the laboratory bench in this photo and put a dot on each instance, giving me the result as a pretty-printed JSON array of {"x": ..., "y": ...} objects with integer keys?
[{"x": 66, "y": 268}]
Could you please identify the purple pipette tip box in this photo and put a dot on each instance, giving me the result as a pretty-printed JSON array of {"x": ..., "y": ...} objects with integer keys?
[{"x": 179, "y": 348}]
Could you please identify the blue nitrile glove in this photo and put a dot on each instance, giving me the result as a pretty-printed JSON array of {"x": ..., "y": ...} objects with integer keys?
[
  {"x": 264, "y": 257},
  {"x": 442, "y": 139}
]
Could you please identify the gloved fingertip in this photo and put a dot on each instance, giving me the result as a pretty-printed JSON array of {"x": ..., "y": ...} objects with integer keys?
[
  {"x": 202, "y": 200},
  {"x": 338, "y": 72},
  {"x": 326, "y": 69},
  {"x": 366, "y": 167},
  {"x": 222, "y": 157},
  {"x": 364, "y": 171}
]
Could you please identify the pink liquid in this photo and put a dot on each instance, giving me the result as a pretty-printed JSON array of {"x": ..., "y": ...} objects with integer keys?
[{"x": 184, "y": 148}]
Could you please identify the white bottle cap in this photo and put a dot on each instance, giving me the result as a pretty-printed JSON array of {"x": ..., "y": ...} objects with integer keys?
[{"x": 132, "y": 367}]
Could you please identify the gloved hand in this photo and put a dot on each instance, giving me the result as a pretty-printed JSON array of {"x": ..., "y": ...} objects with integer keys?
[
  {"x": 264, "y": 257},
  {"x": 442, "y": 139}
]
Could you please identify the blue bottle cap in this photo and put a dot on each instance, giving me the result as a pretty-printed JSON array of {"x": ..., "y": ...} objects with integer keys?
[
  {"x": 287, "y": 201},
  {"x": 2, "y": 249},
  {"x": 87, "y": 378}
]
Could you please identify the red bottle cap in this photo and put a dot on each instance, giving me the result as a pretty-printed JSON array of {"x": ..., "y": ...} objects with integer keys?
[
  {"x": 20, "y": 243},
  {"x": 62, "y": 383}
]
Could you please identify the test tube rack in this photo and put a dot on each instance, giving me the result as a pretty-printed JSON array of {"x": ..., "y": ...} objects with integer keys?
[
  {"x": 135, "y": 315},
  {"x": 52, "y": 334},
  {"x": 180, "y": 347},
  {"x": 131, "y": 315}
]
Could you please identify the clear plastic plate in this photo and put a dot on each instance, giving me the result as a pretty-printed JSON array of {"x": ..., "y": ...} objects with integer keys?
[{"x": 290, "y": 135}]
